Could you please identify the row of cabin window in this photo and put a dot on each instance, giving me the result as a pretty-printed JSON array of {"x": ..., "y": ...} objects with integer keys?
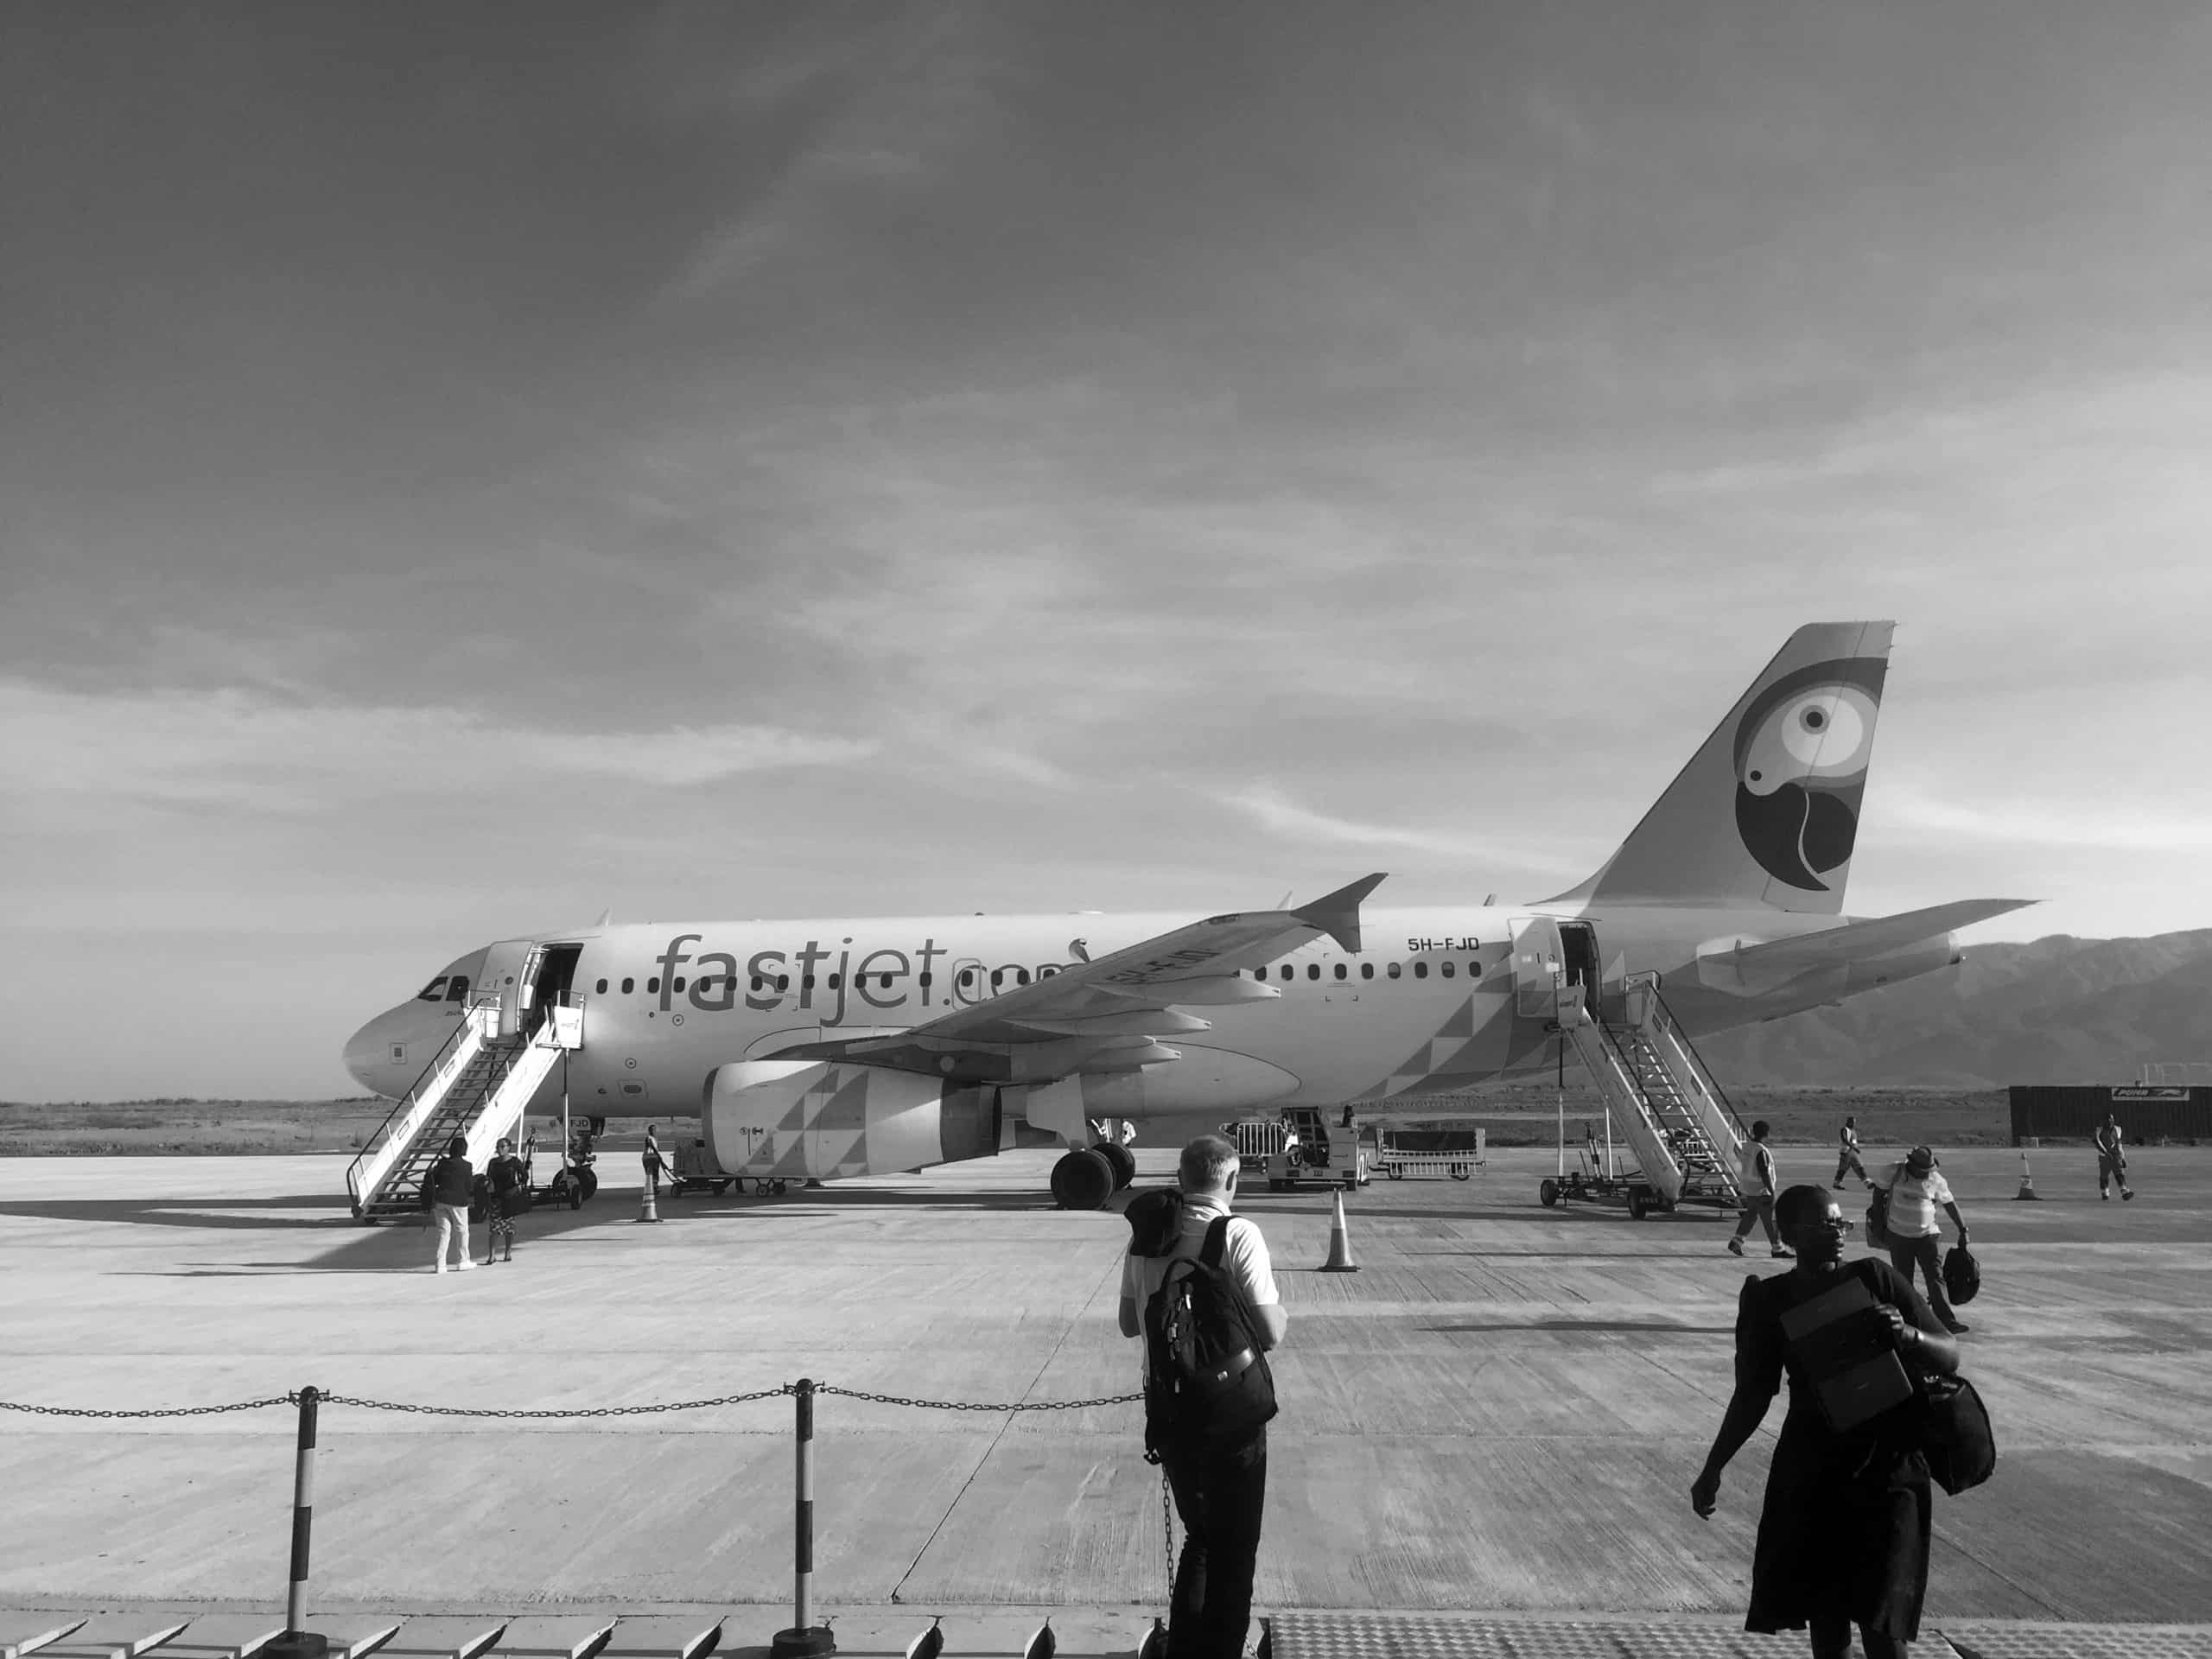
[
  {"x": 783, "y": 981},
  {"x": 967, "y": 977},
  {"x": 1390, "y": 969}
]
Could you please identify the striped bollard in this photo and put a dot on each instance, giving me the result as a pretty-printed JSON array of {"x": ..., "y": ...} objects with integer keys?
[
  {"x": 805, "y": 1639},
  {"x": 295, "y": 1642}
]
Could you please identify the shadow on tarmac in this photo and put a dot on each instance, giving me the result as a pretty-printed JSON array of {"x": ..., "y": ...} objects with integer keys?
[
  {"x": 1662, "y": 1326},
  {"x": 216, "y": 1214}
]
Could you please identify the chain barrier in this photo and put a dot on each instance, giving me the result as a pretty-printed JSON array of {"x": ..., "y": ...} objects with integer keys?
[
  {"x": 979, "y": 1405},
  {"x": 160, "y": 1411},
  {"x": 569, "y": 1412},
  {"x": 560, "y": 1411}
]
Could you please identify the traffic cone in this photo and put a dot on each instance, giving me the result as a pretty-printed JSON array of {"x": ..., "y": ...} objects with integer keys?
[
  {"x": 1339, "y": 1246},
  {"x": 2027, "y": 1181},
  {"x": 646, "y": 1210}
]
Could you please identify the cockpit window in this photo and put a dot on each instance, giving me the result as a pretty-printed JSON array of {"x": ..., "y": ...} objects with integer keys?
[
  {"x": 430, "y": 992},
  {"x": 458, "y": 990}
]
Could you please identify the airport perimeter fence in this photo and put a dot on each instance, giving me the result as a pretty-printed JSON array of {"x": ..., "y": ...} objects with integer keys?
[{"x": 803, "y": 1641}]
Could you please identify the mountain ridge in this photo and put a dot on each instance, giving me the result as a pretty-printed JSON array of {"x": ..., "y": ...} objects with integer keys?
[{"x": 2060, "y": 1009}]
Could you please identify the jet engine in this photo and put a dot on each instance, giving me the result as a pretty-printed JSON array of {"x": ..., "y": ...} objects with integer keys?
[{"x": 800, "y": 1120}]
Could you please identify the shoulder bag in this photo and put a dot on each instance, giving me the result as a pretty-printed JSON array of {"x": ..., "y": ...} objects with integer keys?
[{"x": 1956, "y": 1438}]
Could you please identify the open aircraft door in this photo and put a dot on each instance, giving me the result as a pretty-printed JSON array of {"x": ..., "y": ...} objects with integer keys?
[
  {"x": 1539, "y": 958},
  {"x": 510, "y": 975}
]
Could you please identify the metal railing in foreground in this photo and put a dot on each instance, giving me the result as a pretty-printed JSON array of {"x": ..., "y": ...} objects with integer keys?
[{"x": 803, "y": 1639}]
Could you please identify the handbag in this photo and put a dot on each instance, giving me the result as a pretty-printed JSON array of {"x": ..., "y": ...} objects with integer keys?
[{"x": 1956, "y": 1438}]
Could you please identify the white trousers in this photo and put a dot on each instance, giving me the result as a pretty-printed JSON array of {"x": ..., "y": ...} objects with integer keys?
[{"x": 453, "y": 1223}]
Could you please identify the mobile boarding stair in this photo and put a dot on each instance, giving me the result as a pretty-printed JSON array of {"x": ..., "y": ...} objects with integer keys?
[
  {"x": 478, "y": 1086},
  {"x": 1684, "y": 1133}
]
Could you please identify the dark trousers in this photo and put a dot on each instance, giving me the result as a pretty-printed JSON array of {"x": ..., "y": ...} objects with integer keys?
[
  {"x": 1905, "y": 1253},
  {"x": 1758, "y": 1208},
  {"x": 1219, "y": 1492},
  {"x": 2112, "y": 1171}
]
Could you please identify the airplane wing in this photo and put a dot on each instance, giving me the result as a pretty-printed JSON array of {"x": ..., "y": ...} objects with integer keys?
[
  {"x": 1782, "y": 958},
  {"x": 1109, "y": 1014}
]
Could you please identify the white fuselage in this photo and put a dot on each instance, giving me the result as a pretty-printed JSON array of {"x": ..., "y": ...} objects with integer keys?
[{"x": 1428, "y": 1006}]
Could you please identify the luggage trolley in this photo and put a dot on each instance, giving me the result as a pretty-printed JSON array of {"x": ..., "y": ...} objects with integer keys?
[{"x": 1456, "y": 1153}]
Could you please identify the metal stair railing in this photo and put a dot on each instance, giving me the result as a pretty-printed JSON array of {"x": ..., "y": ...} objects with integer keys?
[
  {"x": 367, "y": 1172},
  {"x": 486, "y": 1098},
  {"x": 1705, "y": 1102},
  {"x": 1599, "y": 1052}
]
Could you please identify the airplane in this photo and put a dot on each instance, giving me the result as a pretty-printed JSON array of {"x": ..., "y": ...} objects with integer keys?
[{"x": 812, "y": 1049}]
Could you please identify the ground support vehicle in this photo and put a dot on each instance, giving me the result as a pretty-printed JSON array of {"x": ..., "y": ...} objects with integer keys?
[
  {"x": 1300, "y": 1147},
  {"x": 1456, "y": 1153},
  {"x": 1601, "y": 1177}
]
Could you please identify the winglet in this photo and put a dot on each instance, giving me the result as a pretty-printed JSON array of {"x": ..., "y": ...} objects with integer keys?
[{"x": 1337, "y": 913}]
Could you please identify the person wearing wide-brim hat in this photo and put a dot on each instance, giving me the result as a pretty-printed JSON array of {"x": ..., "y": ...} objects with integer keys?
[{"x": 1917, "y": 1186}]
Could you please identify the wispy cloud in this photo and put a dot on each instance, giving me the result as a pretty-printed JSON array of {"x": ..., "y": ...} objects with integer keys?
[
  {"x": 1275, "y": 812},
  {"x": 242, "y": 748},
  {"x": 2132, "y": 825}
]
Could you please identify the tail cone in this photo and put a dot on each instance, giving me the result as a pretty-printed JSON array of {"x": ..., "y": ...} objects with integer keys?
[{"x": 1339, "y": 1246}]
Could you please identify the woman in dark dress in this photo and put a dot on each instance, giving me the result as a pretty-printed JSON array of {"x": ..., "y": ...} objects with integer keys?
[
  {"x": 1843, "y": 1536},
  {"x": 510, "y": 1187}
]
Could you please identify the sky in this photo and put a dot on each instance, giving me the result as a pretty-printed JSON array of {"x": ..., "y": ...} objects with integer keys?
[{"x": 466, "y": 468}]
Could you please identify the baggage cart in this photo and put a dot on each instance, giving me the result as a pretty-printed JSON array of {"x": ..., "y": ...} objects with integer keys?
[{"x": 1457, "y": 1153}]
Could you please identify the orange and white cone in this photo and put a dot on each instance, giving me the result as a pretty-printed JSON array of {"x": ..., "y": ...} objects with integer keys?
[
  {"x": 1339, "y": 1246},
  {"x": 2027, "y": 1181},
  {"x": 646, "y": 1209}
]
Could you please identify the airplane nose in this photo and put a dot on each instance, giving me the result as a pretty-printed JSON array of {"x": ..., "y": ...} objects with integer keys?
[
  {"x": 362, "y": 1051},
  {"x": 377, "y": 1053}
]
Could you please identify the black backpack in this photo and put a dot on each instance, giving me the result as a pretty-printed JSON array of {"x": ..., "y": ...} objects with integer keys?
[
  {"x": 1207, "y": 1381},
  {"x": 1961, "y": 1276}
]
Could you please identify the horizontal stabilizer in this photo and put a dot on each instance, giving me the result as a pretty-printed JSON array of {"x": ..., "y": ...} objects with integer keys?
[
  {"x": 1854, "y": 940},
  {"x": 1337, "y": 914}
]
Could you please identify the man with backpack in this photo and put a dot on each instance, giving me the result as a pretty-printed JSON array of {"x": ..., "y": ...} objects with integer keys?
[
  {"x": 446, "y": 1190},
  {"x": 1198, "y": 1288}
]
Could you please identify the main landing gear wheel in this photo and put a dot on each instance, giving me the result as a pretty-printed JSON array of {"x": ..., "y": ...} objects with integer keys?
[
  {"x": 1548, "y": 1192},
  {"x": 1122, "y": 1160},
  {"x": 1082, "y": 1180}
]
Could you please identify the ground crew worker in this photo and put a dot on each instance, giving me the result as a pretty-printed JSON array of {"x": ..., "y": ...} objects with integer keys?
[
  {"x": 651, "y": 1159},
  {"x": 2112, "y": 1162},
  {"x": 1756, "y": 1182},
  {"x": 1847, "y": 1157},
  {"x": 1915, "y": 1187}
]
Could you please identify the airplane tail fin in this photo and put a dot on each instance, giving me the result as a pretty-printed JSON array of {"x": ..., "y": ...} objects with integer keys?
[{"x": 1767, "y": 811}]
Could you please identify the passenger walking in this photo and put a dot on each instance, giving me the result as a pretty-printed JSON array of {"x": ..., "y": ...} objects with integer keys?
[
  {"x": 1843, "y": 1532},
  {"x": 651, "y": 1159},
  {"x": 2111, "y": 1161},
  {"x": 1915, "y": 1186},
  {"x": 1847, "y": 1157},
  {"x": 447, "y": 1184},
  {"x": 1219, "y": 1471},
  {"x": 1755, "y": 1178},
  {"x": 510, "y": 1196}
]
